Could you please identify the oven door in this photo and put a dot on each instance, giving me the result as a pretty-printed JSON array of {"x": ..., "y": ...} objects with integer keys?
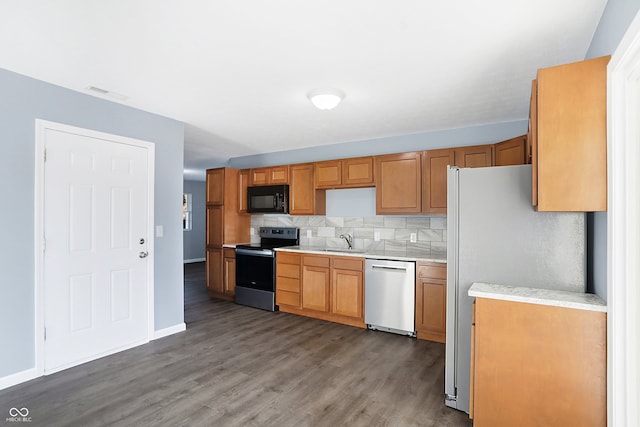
[{"x": 255, "y": 269}]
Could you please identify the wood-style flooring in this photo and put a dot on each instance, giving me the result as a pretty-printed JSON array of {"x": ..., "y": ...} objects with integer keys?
[{"x": 239, "y": 366}]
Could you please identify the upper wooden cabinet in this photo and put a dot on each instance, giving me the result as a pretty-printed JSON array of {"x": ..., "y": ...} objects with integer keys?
[
  {"x": 476, "y": 156},
  {"x": 434, "y": 180},
  {"x": 398, "y": 184},
  {"x": 304, "y": 199},
  {"x": 243, "y": 177},
  {"x": 510, "y": 152},
  {"x": 570, "y": 147},
  {"x": 270, "y": 175},
  {"x": 215, "y": 186},
  {"x": 345, "y": 173}
]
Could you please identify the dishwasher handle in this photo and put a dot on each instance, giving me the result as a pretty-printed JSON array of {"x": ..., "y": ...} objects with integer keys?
[{"x": 388, "y": 267}]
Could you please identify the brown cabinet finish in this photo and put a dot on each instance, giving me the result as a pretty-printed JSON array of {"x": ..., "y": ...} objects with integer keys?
[
  {"x": 225, "y": 225},
  {"x": 328, "y": 174},
  {"x": 315, "y": 283},
  {"x": 510, "y": 152},
  {"x": 538, "y": 365},
  {"x": 532, "y": 141},
  {"x": 434, "y": 180},
  {"x": 347, "y": 286},
  {"x": 398, "y": 187},
  {"x": 304, "y": 199},
  {"x": 271, "y": 175},
  {"x": 229, "y": 271},
  {"x": 243, "y": 177},
  {"x": 572, "y": 136},
  {"x": 476, "y": 156},
  {"x": 345, "y": 173},
  {"x": 288, "y": 278},
  {"x": 431, "y": 301}
]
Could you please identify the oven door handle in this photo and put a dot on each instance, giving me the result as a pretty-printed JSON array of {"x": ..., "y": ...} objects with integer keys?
[{"x": 252, "y": 252}]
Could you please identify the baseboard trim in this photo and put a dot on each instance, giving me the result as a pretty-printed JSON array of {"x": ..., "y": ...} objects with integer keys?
[
  {"x": 19, "y": 377},
  {"x": 189, "y": 261},
  {"x": 170, "y": 331}
]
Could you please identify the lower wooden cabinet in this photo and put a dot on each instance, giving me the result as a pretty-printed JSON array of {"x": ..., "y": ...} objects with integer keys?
[
  {"x": 229, "y": 271},
  {"x": 321, "y": 286},
  {"x": 215, "y": 287},
  {"x": 431, "y": 301},
  {"x": 537, "y": 365}
]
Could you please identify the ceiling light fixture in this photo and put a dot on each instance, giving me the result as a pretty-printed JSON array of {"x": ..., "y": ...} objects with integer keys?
[{"x": 326, "y": 99}]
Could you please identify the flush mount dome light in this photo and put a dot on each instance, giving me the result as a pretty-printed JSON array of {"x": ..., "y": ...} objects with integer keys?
[{"x": 326, "y": 99}]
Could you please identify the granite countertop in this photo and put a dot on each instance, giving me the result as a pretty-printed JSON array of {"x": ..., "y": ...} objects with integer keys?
[
  {"x": 376, "y": 254},
  {"x": 577, "y": 300}
]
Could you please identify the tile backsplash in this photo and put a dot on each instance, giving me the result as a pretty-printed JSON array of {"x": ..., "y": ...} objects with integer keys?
[{"x": 395, "y": 231}]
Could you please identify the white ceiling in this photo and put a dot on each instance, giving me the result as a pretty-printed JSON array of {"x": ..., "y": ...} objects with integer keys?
[{"x": 238, "y": 72}]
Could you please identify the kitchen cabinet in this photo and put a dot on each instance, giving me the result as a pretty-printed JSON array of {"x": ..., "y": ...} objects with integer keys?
[
  {"x": 225, "y": 225},
  {"x": 229, "y": 271},
  {"x": 345, "y": 173},
  {"x": 270, "y": 175},
  {"x": 304, "y": 199},
  {"x": 288, "y": 279},
  {"x": 434, "y": 180},
  {"x": 476, "y": 156},
  {"x": 510, "y": 152},
  {"x": 535, "y": 365},
  {"x": 532, "y": 138},
  {"x": 243, "y": 184},
  {"x": 321, "y": 286},
  {"x": 431, "y": 301},
  {"x": 570, "y": 143},
  {"x": 398, "y": 184}
]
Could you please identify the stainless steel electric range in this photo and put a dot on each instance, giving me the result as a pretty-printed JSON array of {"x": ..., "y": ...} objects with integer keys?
[{"x": 256, "y": 267}]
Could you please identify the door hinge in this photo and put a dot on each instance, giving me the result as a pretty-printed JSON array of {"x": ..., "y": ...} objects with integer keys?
[{"x": 45, "y": 154}]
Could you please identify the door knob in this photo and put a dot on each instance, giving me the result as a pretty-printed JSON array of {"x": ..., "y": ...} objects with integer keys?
[{"x": 143, "y": 254}]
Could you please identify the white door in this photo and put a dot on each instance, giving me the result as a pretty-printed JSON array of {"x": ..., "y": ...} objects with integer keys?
[{"x": 95, "y": 276}]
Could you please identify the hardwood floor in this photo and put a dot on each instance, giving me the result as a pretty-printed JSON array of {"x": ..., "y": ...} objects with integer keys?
[{"x": 239, "y": 366}]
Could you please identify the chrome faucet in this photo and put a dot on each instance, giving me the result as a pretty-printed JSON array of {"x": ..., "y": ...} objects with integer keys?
[{"x": 349, "y": 239}]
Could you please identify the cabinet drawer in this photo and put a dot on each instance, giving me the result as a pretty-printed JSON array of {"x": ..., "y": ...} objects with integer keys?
[
  {"x": 316, "y": 261},
  {"x": 288, "y": 258},
  {"x": 288, "y": 298},
  {"x": 288, "y": 270},
  {"x": 348, "y": 263},
  {"x": 287, "y": 284},
  {"x": 432, "y": 271},
  {"x": 229, "y": 252}
]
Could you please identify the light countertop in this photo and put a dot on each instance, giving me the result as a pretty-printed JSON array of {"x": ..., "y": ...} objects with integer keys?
[
  {"x": 577, "y": 300},
  {"x": 374, "y": 254}
]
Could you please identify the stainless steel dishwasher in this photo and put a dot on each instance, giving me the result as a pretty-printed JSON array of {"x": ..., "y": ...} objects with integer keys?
[{"x": 389, "y": 296}]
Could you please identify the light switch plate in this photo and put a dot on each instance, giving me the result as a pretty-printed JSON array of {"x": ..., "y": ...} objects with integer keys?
[
  {"x": 413, "y": 238},
  {"x": 376, "y": 236},
  {"x": 252, "y": 231},
  {"x": 309, "y": 233}
]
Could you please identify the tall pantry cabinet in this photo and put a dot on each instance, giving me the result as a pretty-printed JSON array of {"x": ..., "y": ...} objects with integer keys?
[{"x": 225, "y": 225}]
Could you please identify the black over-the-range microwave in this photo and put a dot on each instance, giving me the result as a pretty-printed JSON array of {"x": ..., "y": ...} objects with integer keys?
[{"x": 268, "y": 199}]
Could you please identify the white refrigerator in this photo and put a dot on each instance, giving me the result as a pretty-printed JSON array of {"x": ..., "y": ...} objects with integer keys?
[{"x": 495, "y": 236}]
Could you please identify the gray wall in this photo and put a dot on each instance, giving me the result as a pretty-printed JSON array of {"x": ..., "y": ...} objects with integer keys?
[
  {"x": 22, "y": 101},
  {"x": 615, "y": 21},
  {"x": 194, "y": 240},
  {"x": 474, "y": 135}
]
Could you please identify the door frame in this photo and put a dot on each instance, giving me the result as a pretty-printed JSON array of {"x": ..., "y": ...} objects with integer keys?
[
  {"x": 623, "y": 230},
  {"x": 39, "y": 186}
]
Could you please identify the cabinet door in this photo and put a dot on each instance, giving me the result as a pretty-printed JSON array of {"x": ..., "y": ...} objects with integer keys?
[
  {"x": 477, "y": 156},
  {"x": 510, "y": 152},
  {"x": 398, "y": 185},
  {"x": 215, "y": 186},
  {"x": 279, "y": 174},
  {"x": 532, "y": 141},
  {"x": 328, "y": 174},
  {"x": 315, "y": 283},
  {"x": 229, "y": 272},
  {"x": 434, "y": 180},
  {"x": 432, "y": 295},
  {"x": 357, "y": 172},
  {"x": 214, "y": 271},
  {"x": 301, "y": 192},
  {"x": 346, "y": 291},
  {"x": 243, "y": 177},
  {"x": 572, "y": 137},
  {"x": 259, "y": 176},
  {"x": 215, "y": 226}
]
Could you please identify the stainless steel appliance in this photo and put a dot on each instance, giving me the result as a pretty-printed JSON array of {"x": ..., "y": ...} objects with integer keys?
[
  {"x": 495, "y": 236},
  {"x": 256, "y": 267},
  {"x": 268, "y": 199},
  {"x": 389, "y": 296}
]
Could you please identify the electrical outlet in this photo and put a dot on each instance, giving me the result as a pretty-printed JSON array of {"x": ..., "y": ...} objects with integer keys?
[
  {"x": 376, "y": 236},
  {"x": 309, "y": 234},
  {"x": 413, "y": 238},
  {"x": 159, "y": 231},
  {"x": 252, "y": 231}
]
